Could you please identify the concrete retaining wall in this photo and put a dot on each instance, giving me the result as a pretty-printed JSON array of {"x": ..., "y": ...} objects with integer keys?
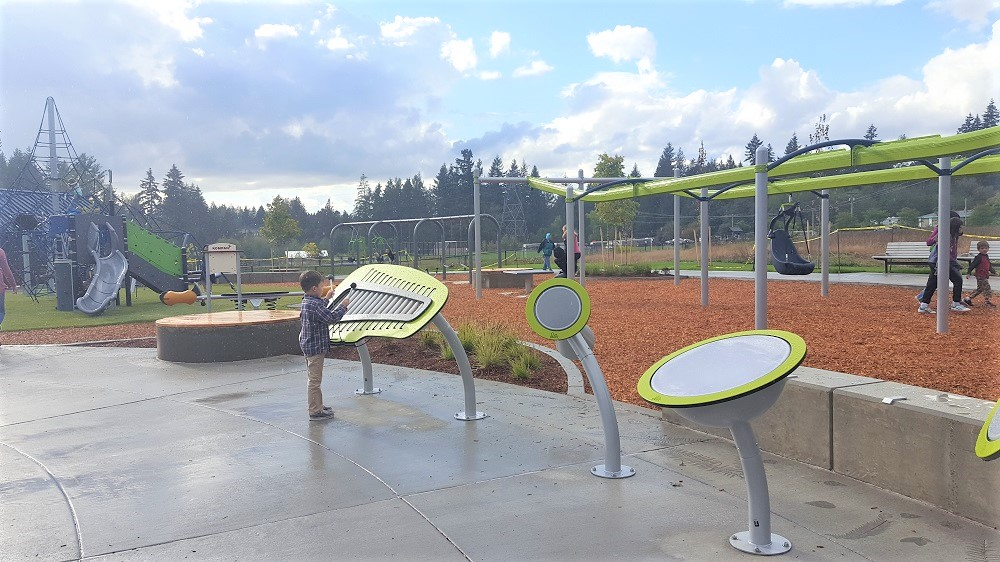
[{"x": 922, "y": 447}]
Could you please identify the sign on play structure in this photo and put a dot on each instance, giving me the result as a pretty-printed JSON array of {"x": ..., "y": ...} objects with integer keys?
[{"x": 222, "y": 258}]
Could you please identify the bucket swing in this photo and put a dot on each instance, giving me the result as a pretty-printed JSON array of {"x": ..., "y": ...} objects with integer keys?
[{"x": 784, "y": 257}]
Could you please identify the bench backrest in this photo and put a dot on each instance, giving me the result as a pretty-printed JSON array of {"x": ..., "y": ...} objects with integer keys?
[{"x": 908, "y": 249}]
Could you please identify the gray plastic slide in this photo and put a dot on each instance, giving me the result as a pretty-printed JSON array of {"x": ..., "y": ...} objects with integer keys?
[{"x": 109, "y": 272}]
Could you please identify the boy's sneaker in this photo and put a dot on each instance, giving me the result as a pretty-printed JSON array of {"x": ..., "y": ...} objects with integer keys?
[
  {"x": 920, "y": 296},
  {"x": 967, "y": 302},
  {"x": 959, "y": 307},
  {"x": 327, "y": 409},
  {"x": 925, "y": 309},
  {"x": 322, "y": 415}
]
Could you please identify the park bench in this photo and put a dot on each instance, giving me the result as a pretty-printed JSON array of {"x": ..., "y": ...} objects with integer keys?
[{"x": 915, "y": 253}]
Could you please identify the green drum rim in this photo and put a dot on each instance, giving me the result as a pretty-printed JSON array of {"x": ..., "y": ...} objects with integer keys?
[
  {"x": 797, "y": 353},
  {"x": 572, "y": 329},
  {"x": 987, "y": 448}
]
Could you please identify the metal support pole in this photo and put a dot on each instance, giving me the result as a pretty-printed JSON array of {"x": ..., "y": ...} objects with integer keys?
[
  {"x": 760, "y": 239},
  {"x": 366, "y": 370},
  {"x": 824, "y": 243},
  {"x": 479, "y": 242},
  {"x": 944, "y": 244},
  {"x": 570, "y": 225},
  {"x": 612, "y": 467},
  {"x": 677, "y": 234},
  {"x": 705, "y": 241},
  {"x": 464, "y": 367},
  {"x": 583, "y": 236},
  {"x": 208, "y": 277},
  {"x": 758, "y": 540}
]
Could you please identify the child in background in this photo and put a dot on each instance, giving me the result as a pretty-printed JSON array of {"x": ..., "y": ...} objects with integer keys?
[
  {"x": 314, "y": 339},
  {"x": 983, "y": 269}
]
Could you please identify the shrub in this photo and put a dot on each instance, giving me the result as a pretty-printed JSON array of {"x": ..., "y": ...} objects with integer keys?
[
  {"x": 520, "y": 367},
  {"x": 431, "y": 338}
]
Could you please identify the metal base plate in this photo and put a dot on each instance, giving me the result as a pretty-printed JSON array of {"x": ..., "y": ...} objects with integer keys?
[
  {"x": 461, "y": 416},
  {"x": 362, "y": 391},
  {"x": 779, "y": 544},
  {"x": 625, "y": 472}
]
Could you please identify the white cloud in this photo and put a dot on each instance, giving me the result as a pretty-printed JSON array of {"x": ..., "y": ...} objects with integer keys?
[
  {"x": 172, "y": 13},
  {"x": 153, "y": 66},
  {"x": 489, "y": 75},
  {"x": 198, "y": 52},
  {"x": 623, "y": 43},
  {"x": 337, "y": 42},
  {"x": 400, "y": 31},
  {"x": 461, "y": 54},
  {"x": 976, "y": 12},
  {"x": 499, "y": 43},
  {"x": 536, "y": 68},
  {"x": 840, "y": 3},
  {"x": 273, "y": 32}
]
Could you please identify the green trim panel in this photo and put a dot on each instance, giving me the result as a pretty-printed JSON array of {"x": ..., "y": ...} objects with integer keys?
[
  {"x": 986, "y": 448},
  {"x": 794, "y": 359},
  {"x": 158, "y": 252},
  {"x": 390, "y": 301}
]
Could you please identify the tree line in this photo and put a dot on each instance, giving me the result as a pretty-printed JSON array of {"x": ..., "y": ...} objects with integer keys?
[{"x": 174, "y": 205}]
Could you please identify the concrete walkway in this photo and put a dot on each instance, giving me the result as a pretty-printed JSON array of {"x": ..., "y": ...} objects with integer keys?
[{"x": 112, "y": 454}]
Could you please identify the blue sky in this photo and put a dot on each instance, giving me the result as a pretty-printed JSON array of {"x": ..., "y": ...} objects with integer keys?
[{"x": 256, "y": 99}]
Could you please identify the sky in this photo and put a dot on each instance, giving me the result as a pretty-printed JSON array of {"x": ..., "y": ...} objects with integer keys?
[{"x": 300, "y": 99}]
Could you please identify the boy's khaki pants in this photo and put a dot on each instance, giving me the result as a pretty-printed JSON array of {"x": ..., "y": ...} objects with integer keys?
[{"x": 314, "y": 367}]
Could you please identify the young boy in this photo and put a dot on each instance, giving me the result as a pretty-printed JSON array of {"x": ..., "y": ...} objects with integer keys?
[
  {"x": 983, "y": 269},
  {"x": 314, "y": 339}
]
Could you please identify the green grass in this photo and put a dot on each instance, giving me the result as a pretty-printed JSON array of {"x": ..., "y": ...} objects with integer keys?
[
  {"x": 490, "y": 345},
  {"x": 25, "y": 314}
]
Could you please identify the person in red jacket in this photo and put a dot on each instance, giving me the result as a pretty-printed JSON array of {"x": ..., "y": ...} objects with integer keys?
[
  {"x": 7, "y": 283},
  {"x": 982, "y": 267}
]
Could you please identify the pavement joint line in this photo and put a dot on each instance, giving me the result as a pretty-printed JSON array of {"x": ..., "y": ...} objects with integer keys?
[
  {"x": 436, "y": 528},
  {"x": 69, "y": 502}
]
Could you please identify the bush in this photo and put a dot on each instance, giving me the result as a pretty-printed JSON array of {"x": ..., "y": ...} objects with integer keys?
[{"x": 431, "y": 338}]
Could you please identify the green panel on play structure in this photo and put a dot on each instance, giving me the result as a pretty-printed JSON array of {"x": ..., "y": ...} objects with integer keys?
[{"x": 387, "y": 301}]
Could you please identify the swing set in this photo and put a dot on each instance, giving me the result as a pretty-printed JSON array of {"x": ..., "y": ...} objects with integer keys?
[{"x": 784, "y": 256}]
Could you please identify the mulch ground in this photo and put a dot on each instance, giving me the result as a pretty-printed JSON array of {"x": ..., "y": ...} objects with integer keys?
[{"x": 864, "y": 330}]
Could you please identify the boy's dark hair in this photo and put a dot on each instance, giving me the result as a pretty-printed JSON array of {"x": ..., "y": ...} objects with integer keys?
[
  {"x": 310, "y": 279},
  {"x": 982, "y": 244}
]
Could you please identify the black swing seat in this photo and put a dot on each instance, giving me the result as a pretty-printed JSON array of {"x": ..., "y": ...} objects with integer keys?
[{"x": 785, "y": 258}]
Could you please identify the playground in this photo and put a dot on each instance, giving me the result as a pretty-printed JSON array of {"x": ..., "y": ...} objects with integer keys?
[{"x": 867, "y": 330}]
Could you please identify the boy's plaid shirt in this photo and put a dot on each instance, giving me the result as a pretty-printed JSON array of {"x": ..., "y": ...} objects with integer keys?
[{"x": 314, "y": 339}]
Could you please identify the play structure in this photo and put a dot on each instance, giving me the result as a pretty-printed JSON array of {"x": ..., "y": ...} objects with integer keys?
[
  {"x": 976, "y": 152},
  {"x": 727, "y": 381},
  {"x": 392, "y": 301},
  {"x": 558, "y": 310}
]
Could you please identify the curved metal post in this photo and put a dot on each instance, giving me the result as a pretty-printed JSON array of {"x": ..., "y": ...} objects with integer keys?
[
  {"x": 416, "y": 249},
  {"x": 758, "y": 539},
  {"x": 472, "y": 225},
  {"x": 366, "y": 369},
  {"x": 333, "y": 253},
  {"x": 612, "y": 467},
  {"x": 395, "y": 233},
  {"x": 464, "y": 367}
]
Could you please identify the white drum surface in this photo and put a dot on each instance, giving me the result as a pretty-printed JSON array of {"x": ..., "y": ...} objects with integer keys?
[{"x": 720, "y": 365}]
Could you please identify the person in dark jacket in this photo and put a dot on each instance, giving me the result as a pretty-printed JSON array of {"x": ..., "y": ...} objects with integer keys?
[{"x": 545, "y": 248}]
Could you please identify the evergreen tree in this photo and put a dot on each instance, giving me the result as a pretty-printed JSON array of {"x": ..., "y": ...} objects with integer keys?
[
  {"x": 635, "y": 172},
  {"x": 149, "y": 199},
  {"x": 700, "y": 163},
  {"x": 969, "y": 125},
  {"x": 793, "y": 144},
  {"x": 872, "y": 133},
  {"x": 173, "y": 198},
  {"x": 665, "y": 166},
  {"x": 991, "y": 117},
  {"x": 821, "y": 132},
  {"x": 364, "y": 207},
  {"x": 442, "y": 190},
  {"x": 680, "y": 164},
  {"x": 750, "y": 154}
]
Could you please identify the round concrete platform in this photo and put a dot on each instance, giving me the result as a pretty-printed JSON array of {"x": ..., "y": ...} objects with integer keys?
[{"x": 218, "y": 337}]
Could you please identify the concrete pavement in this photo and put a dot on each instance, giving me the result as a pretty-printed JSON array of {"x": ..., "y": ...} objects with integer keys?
[{"x": 111, "y": 454}]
